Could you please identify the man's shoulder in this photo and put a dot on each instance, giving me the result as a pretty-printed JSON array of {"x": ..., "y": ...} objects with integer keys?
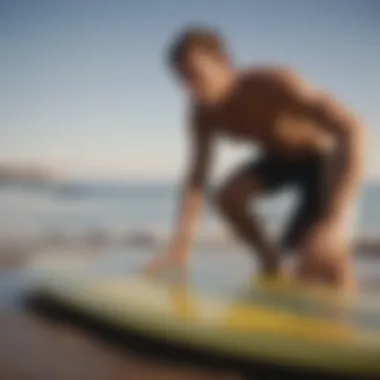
[{"x": 270, "y": 74}]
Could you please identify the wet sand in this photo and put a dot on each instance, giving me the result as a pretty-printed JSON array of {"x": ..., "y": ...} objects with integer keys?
[{"x": 32, "y": 348}]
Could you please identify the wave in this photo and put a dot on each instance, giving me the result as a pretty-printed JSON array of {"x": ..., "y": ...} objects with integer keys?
[
  {"x": 110, "y": 189},
  {"x": 88, "y": 189},
  {"x": 20, "y": 244}
]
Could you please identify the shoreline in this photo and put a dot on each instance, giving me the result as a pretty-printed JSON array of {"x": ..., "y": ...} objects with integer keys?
[{"x": 15, "y": 249}]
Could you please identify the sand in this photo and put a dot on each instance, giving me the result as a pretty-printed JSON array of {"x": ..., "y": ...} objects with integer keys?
[{"x": 32, "y": 348}]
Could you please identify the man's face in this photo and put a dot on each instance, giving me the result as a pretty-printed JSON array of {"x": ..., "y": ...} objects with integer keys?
[{"x": 200, "y": 72}]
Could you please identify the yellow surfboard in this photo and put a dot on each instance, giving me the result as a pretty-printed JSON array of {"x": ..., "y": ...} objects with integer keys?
[{"x": 267, "y": 321}]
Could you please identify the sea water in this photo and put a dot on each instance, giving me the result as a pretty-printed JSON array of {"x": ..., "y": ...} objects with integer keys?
[
  {"x": 117, "y": 208},
  {"x": 148, "y": 207}
]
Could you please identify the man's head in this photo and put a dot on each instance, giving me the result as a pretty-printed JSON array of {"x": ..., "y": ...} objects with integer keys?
[{"x": 199, "y": 57}]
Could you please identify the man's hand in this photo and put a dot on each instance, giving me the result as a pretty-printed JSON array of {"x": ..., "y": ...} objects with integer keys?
[
  {"x": 177, "y": 256},
  {"x": 173, "y": 259}
]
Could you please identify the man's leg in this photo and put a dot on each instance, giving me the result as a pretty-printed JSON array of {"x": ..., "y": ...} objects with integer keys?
[
  {"x": 346, "y": 274},
  {"x": 338, "y": 272},
  {"x": 334, "y": 268},
  {"x": 234, "y": 200}
]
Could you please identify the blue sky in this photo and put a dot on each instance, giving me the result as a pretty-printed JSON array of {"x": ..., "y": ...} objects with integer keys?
[{"x": 84, "y": 88}]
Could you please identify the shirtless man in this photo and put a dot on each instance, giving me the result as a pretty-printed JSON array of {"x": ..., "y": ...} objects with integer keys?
[{"x": 308, "y": 140}]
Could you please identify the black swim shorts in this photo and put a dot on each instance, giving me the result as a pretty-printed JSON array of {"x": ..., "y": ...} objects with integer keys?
[{"x": 309, "y": 176}]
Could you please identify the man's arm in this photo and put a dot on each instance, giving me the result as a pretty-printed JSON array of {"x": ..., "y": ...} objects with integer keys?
[
  {"x": 349, "y": 134},
  {"x": 192, "y": 195}
]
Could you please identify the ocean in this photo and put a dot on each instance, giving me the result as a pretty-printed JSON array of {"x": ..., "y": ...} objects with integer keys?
[
  {"x": 130, "y": 221},
  {"x": 73, "y": 208}
]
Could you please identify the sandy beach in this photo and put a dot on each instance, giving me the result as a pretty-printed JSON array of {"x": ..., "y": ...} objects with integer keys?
[{"x": 32, "y": 348}]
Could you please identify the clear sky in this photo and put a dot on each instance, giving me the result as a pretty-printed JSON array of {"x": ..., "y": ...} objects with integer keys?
[{"x": 83, "y": 86}]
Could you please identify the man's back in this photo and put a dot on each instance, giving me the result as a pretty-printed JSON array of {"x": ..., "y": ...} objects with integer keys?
[{"x": 259, "y": 108}]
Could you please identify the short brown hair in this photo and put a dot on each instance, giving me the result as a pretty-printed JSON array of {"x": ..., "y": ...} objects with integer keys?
[{"x": 195, "y": 37}]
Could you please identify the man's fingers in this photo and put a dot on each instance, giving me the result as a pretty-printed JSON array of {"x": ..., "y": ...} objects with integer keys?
[{"x": 153, "y": 265}]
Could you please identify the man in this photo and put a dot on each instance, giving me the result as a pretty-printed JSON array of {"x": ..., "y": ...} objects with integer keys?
[{"x": 308, "y": 140}]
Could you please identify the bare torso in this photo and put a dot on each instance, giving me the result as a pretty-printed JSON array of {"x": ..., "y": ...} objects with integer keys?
[{"x": 257, "y": 111}]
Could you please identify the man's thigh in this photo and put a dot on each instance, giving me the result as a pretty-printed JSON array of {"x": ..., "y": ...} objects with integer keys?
[{"x": 311, "y": 179}]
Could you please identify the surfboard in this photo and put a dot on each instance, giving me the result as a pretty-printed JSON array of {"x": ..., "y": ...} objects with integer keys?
[{"x": 268, "y": 321}]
